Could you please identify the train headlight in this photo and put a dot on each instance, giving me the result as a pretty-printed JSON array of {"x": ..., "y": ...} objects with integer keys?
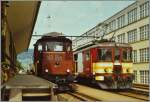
[
  {"x": 46, "y": 70},
  {"x": 100, "y": 78},
  {"x": 129, "y": 70},
  {"x": 93, "y": 73},
  {"x": 108, "y": 70},
  {"x": 68, "y": 70}
]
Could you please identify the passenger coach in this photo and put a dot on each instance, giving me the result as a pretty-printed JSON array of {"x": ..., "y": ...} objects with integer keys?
[{"x": 108, "y": 64}]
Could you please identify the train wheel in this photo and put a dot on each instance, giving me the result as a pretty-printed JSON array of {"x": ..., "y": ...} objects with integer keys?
[{"x": 73, "y": 87}]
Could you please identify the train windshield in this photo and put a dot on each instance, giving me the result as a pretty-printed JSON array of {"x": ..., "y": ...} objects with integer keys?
[
  {"x": 105, "y": 54},
  {"x": 117, "y": 55},
  {"x": 126, "y": 55},
  {"x": 54, "y": 46}
]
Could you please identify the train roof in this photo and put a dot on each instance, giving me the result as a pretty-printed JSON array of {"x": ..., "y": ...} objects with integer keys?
[
  {"x": 103, "y": 44},
  {"x": 54, "y": 36}
]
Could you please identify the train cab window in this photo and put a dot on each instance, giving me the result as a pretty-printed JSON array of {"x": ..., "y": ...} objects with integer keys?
[
  {"x": 58, "y": 48},
  {"x": 76, "y": 57},
  {"x": 54, "y": 46},
  {"x": 105, "y": 54},
  {"x": 117, "y": 55},
  {"x": 39, "y": 47},
  {"x": 126, "y": 55},
  {"x": 68, "y": 47}
]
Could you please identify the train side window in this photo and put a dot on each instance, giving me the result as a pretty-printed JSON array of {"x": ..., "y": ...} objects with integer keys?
[
  {"x": 127, "y": 55},
  {"x": 46, "y": 47},
  {"x": 87, "y": 56},
  {"x": 76, "y": 57}
]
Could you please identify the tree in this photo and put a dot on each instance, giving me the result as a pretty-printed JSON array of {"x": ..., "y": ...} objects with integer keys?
[{"x": 19, "y": 65}]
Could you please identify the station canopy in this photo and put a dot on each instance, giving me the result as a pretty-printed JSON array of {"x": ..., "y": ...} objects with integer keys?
[{"x": 21, "y": 18}]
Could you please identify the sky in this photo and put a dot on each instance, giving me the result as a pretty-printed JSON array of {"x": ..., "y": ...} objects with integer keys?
[{"x": 74, "y": 17}]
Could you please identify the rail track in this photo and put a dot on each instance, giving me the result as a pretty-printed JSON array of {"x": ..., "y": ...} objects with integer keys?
[
  {"x": 83, "y": 97},
  {"x": 141, "y": 86},
  {"x": 134, "y": 94},
  {"x": 138, "y": 91},
  {"x": 141, "y": 93}
]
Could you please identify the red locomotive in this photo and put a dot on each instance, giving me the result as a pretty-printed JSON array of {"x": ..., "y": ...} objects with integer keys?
[
  {"x": 53, "y": 58},
  {"x": 108, "y": 64}
]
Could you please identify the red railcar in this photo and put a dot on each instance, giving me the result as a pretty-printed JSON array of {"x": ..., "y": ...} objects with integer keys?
[
  {"x": 53, "y": 58},
  {"x": 108, "y": 64}
]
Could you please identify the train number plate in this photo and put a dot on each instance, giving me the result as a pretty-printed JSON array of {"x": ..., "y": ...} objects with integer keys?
[{"x": 99, "y": 78}]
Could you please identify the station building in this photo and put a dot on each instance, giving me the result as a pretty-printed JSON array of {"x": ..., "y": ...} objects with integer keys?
[
  {"x": 17, "y": 24},
  {"x": 130, "y": 25}
]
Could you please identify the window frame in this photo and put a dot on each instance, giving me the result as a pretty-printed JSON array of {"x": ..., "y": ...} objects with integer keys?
[
  {"x": 144, "y": 55},
  {"x": 132, "y": 36},
  {"x": 121, "y": 38},
  {"x": 100, "y": 59},
  {"x": 132, "y": 15},
  {"x": 144, "y": 32},
  {"x": 144, "y": 10},
  {"x": 121, "y": 21}
]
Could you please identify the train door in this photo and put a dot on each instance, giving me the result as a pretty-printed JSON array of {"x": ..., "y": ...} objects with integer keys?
[
  {"x": 39, "y": 63},
  {"x": 80, "y": 63},
  {"x": 86, "y": 62}
]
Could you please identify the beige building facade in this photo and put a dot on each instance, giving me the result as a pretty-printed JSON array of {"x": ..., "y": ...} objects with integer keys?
[{"x": 130, "y": 25}]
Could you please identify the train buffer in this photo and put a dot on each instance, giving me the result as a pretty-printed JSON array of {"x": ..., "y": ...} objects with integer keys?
[{"x": 28, "y": 87}]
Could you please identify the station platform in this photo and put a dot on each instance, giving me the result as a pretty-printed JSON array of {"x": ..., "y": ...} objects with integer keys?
[
  {"x": 28, "y": 81},
  {"x": 23, "y": 85}
]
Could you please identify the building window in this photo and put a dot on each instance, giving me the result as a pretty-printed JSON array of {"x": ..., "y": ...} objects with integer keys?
[
  {"x": 144, "y": 55},
  {"x": 135, "y": 76},
  {"x": 144, "y": 76},
  {"x": 132, "y": 16},
  {"x": 144, "y": 10},
  {"x": 121, "y": 38},
  {"x": 134, "y": 56},
  {"x": 121, "y": 21},
  {"x": 132, "y": 36},
  {"x": 112, "y": 25},
  {"x": 144, "y": 32}
]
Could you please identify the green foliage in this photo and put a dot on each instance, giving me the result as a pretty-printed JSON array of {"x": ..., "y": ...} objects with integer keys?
[
  {"x": 4, "y": 65},
  {"x": 19, "y": 65}
]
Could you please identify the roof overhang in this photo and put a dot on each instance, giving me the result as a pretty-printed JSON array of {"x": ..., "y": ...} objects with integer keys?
[{"x": 21, "y": 18}]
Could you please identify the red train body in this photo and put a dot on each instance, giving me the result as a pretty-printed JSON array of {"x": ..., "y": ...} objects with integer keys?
[
  {"x": 107, "y": 64},
  {"x": 53, "y": 58}
]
